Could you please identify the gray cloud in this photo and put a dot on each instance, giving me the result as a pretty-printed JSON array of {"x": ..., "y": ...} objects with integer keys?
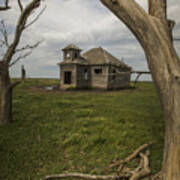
[{"x": 85, "y": 23}]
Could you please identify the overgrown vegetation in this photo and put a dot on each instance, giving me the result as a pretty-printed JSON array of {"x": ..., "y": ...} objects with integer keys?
[{"x": 80, "y": 131}]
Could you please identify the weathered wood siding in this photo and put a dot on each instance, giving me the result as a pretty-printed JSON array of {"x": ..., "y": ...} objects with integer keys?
[
  {"x": 99, "y": 80},
  {"x": 118, "y": 78},
  {"x": 83, "y": 76}
]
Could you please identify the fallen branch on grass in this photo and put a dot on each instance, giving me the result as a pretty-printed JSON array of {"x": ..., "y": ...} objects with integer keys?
[
  {"x": 121, "y": 163},
  {"x": 157, "y": 176},
  {"x": 138, "y": 173},
  {"x": 87, "y": 176},
  {"x": 143, "y": 169}
]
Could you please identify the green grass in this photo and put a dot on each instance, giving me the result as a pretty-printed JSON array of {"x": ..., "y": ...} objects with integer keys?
[{"x": 55, "y": 132}]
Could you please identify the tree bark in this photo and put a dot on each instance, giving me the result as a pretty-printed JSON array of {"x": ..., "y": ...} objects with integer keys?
[
  {"x": 167, "y": 80},
  {"x": 5, "y": 97},
  {"x": 152, "y": 31},
  {"x": 158, "y": 8}
]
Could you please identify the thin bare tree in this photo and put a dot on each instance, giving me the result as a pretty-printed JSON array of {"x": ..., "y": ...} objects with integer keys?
[
  {"x": 7, "y": 60},
  {"x": 154, "y": 32}
]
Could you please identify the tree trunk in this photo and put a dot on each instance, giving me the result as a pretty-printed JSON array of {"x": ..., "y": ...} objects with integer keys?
[
  {"x": 168, "y": 87},
  {"x": 153, "y": 33},
  {"x": 171, "y": 160},
  {"x": 165, "y": 68},
  {"x": 5, "y": 98}
]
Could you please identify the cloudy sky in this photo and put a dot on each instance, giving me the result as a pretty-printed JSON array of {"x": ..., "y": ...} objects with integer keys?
[{"x": 86, "y": 23}]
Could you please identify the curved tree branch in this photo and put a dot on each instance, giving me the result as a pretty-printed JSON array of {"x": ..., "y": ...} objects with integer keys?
[{"x": 137, "y": 20}]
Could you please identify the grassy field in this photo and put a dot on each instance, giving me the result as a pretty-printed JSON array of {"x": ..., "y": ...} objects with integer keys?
[{"x": 83, "y": 131}]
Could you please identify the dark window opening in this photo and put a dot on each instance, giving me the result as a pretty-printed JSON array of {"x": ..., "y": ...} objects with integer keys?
[
  {"x": 67, "y": 77},
  {"x": 75, "y": 55},
  {"x": 114, "y": 75},
  {"x": 98, "y": 71}
]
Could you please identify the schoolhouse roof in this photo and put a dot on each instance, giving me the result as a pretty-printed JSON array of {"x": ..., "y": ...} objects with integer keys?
[{"x": 98, "y": 56}]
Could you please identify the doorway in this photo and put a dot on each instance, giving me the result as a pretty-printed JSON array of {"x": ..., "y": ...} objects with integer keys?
[{"x": 67, "y": 77}]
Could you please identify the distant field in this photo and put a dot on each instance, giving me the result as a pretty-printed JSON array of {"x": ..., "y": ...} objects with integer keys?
[{"x": 83, "y": 131}]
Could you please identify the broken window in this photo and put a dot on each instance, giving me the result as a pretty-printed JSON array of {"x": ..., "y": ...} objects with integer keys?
[
  {"x": 98, "y": 71},
  {"x": 67, "y": 77}
]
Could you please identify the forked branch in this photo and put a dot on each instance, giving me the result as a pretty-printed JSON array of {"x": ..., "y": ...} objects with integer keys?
[{"x": 131, "y": 156}]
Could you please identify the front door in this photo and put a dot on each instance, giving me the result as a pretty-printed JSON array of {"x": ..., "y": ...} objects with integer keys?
[{"x": 67, "y": 77}]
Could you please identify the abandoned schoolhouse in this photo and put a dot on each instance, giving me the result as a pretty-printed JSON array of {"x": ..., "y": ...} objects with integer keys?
[{"x": 95, "y": 68}]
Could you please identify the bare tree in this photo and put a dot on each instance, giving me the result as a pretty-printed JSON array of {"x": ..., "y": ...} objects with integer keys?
[
  {"x": 6, "y": 86},
  {"x": 154, "y": 32}
]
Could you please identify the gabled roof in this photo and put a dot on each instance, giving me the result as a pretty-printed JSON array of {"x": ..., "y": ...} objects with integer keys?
[
  {"x": 71, "y": 46},
  {"x": 101, "y": 56}
]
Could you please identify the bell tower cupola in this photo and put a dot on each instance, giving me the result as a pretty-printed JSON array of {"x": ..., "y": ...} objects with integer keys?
[{"x": 71, "y": 52}]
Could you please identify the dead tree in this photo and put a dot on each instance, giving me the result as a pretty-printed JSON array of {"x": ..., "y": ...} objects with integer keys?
[
  {"x": 154, "y": 32},
  {"x": 6, "y": 86}
]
